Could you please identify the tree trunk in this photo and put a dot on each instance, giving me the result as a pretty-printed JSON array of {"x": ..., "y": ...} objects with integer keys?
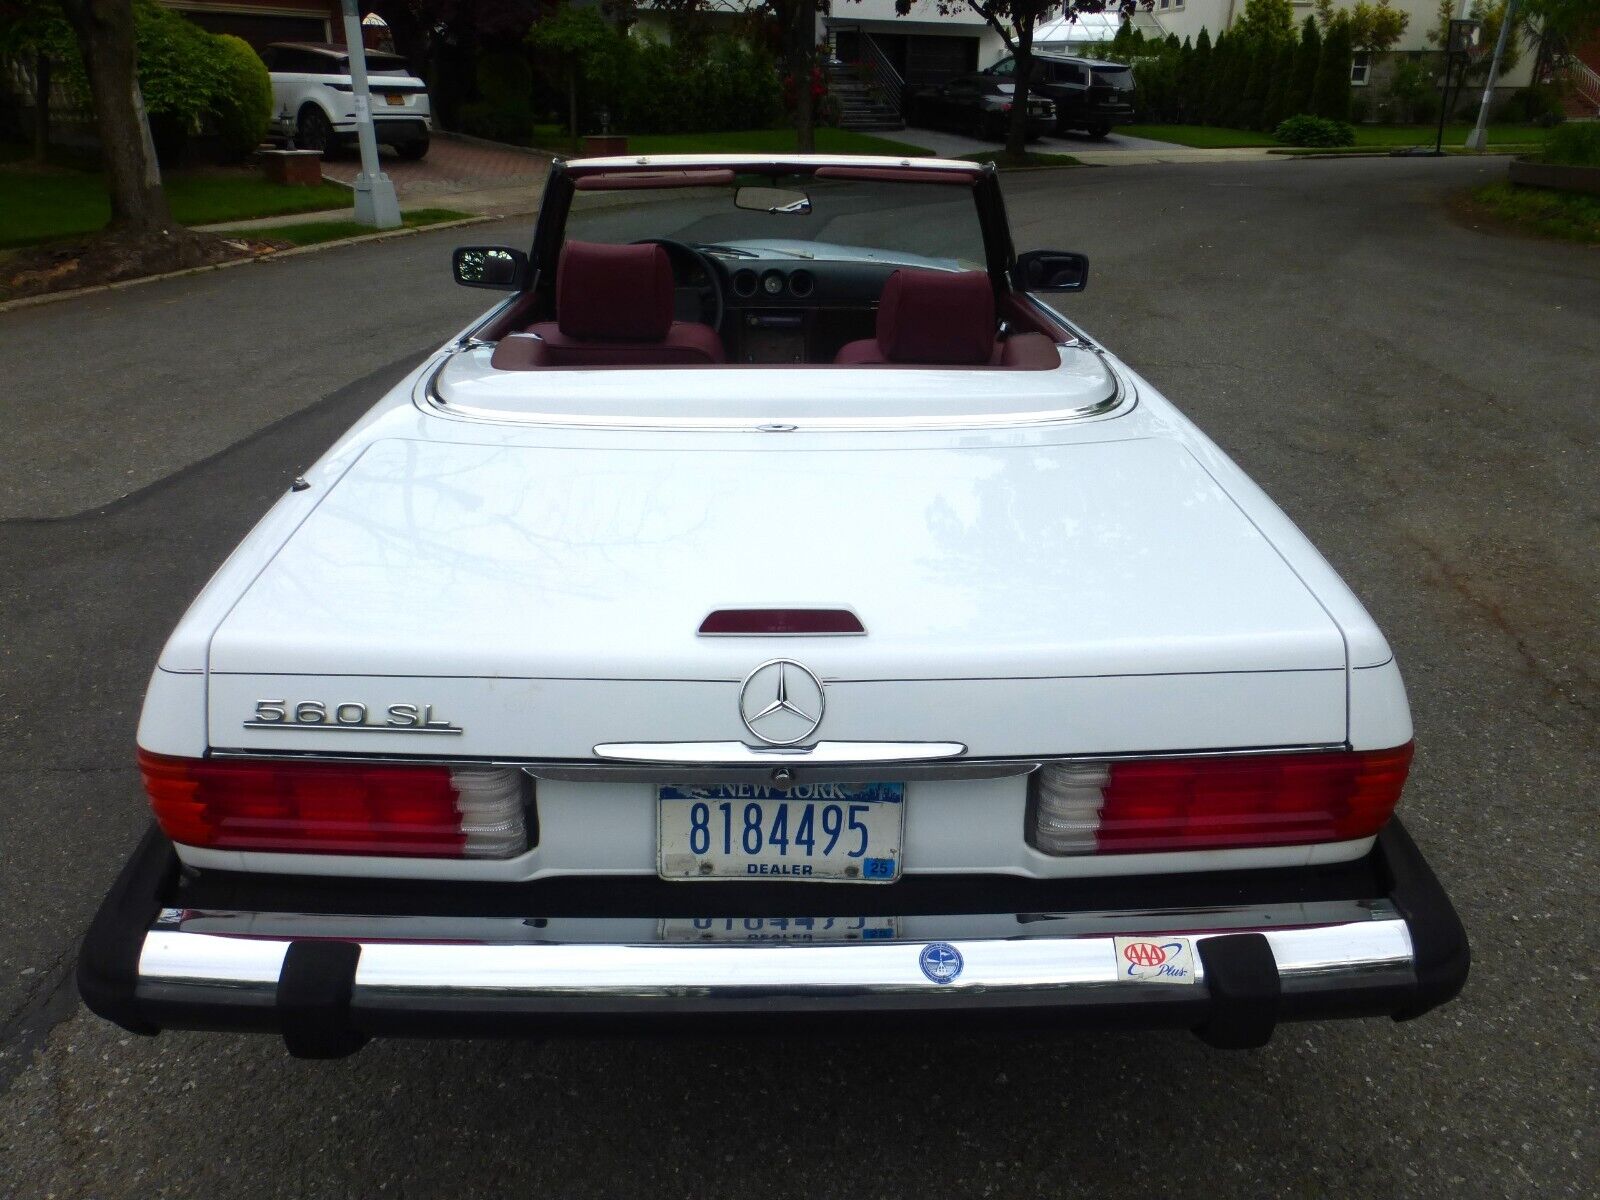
[
  {"x": 802, "y": 59},
  {"x": 1017, "y": 132},
  {"x": 41, "y": 107},
  {"x": 105, "y": 34},
  {"x": 572, "y": 104}
]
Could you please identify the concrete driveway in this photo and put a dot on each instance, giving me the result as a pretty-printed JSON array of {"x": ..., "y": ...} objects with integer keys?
[
  {"x": 953, "y": 145},
  {"x": 1419, "y": 396}
]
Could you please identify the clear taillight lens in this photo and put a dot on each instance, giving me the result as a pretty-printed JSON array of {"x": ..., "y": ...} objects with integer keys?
[
  {"x": 338, "y": 808},
  {"x": 1145, "y": 805}
]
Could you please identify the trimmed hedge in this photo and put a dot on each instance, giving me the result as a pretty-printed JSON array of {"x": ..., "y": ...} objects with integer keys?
[
  {"x": 191, "y": 81},
  {"x": 243, "y": 107},
  {"x": 1573, "y": 144},
  {"x": 1306, "y": 130},
  {"x": 694, "y": 84}
]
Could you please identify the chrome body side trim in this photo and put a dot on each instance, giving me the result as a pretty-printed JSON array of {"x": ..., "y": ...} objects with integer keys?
[{"x": 737, "y": 754}]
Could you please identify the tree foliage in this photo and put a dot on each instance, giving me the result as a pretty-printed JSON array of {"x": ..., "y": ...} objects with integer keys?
[
  {"x": 1375, "y": 28},
  {"x": 1330, "y": 94}
]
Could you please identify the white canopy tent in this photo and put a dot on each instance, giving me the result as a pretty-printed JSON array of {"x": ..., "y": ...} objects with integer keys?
[{"x": 1071, "y": 37}]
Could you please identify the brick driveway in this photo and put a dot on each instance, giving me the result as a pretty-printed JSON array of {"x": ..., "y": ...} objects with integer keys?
[{"x": 452, "y": 166}]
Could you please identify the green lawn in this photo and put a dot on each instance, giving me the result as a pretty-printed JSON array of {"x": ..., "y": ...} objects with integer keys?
[
  {"x": 1543, "y": 211},
  {"x": 1371, "y": 137},
  {"x": 42, "y": 205},
  {"x": 309, "y": 233},
  {"x": 1398, "y": 136},
  {"x": 746, "y": 141}
]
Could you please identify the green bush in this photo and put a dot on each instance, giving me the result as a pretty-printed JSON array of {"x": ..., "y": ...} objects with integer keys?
[
  {"x": 503, "y": 111},
  {"x": 1537, "y": 104},
  {"x": 243, "y": 109},
  {"x": 183, "y": 70},
  {"x": 694, "y": 84},
  {"x": 1574, "y": 144},
  {"x": 1307, "y": 130},
  {"x": 189, "y": 79},
  {"x": 1412, "y": 96}
]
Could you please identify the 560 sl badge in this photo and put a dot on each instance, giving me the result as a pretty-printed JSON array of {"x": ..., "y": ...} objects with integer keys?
[{"x": 349, "y": 716}]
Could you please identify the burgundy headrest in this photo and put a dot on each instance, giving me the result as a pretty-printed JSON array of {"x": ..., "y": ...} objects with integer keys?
[
  {"x": 615, "y": 293},
  {"x": 937, "y": 317}
]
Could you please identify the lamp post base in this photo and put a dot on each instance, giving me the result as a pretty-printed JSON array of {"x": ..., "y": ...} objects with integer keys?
[{"x": 376, "y": 203}]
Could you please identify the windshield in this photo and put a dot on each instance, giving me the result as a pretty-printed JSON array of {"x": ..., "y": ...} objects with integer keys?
[
  {"x": 795, "y": 217},
  {"x": 380, "y": 64},
  {"x": 1120, "y": 78}
]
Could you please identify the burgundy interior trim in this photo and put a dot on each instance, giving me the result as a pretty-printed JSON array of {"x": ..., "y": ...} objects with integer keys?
[
  {"x": 617, "y": 181},
  {"x": 900, "y": 174},
  {"x": 754, "y": 622}
]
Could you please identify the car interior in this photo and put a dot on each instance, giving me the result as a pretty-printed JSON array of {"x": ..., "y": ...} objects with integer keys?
[
  {"x": 660, "y": 304},
  {"x": 771, "y": 264}
]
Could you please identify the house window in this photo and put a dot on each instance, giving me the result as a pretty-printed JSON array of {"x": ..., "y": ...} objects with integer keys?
[
  {"x": 1166, "y": 3},
  {"x": 1360, "y": 68}
]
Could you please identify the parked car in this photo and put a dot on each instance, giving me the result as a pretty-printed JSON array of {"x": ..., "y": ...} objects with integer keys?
[
  {"x": 774, "y": 608},
  {"x": 978, "y": 105},
  {"x": 314, "y": 103},
  {"x": 1089, "y": 95}
]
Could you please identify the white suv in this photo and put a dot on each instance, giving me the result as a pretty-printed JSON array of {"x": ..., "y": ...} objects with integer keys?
[{"x": 313, "y": 101}]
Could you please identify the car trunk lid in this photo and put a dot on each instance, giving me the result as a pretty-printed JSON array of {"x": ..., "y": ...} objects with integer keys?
[{"x": 1084, "y": 592}]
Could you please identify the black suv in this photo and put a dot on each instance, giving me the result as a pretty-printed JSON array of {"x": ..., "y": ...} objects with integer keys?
[{"x": 1090, "y": 95}]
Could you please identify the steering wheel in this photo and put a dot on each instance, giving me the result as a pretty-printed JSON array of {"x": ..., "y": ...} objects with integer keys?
[{"x": 712, "y": 292}]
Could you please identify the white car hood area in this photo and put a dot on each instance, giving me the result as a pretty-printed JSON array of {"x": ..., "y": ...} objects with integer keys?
[{"x": 536, "y": 574}]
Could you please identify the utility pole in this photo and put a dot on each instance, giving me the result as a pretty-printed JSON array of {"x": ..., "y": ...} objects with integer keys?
[
  {"x": 375, "y": 199},
  {"x": 1479, "y": 137}
]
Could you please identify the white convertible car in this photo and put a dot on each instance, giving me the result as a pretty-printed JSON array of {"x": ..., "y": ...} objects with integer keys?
[{"x": 773, "y": 609}]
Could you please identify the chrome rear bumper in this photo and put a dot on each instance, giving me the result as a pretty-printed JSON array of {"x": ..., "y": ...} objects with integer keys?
[{"x": 328, "y": 979}]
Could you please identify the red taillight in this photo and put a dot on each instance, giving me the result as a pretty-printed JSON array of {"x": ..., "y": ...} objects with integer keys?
[
  {"x": 1144, "y": 805},
  {"x": 337, "y": 808}
]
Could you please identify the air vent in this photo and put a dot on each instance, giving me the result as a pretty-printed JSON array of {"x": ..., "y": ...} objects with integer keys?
[{"x": 781, "y": 622}]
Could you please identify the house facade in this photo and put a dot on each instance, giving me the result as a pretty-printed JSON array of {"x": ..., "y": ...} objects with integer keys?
[{"x": 266, "y": 21}]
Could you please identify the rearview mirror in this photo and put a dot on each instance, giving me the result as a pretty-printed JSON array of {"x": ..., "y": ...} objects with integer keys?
[
  {"x": 1051, "y": 271},
  {"x": 772, "y": 200},
  {"x": 497, "y": 267}
]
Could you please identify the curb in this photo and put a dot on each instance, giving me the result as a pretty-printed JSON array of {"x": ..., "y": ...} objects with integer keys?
[{"x": 275, "y": 256}]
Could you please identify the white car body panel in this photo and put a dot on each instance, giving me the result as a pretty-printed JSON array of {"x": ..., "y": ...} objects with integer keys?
[
  {"x": 1052, "y": 563},
  {"x": 293, "y": 90}
]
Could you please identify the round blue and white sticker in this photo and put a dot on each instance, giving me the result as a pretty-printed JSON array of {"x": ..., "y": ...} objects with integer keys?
[{"x": 940, "y": 962}]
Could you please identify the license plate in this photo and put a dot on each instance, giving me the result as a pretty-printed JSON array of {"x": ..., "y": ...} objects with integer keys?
[
  {"x": 777, "y": 929},
  {"x": 395, "y": 97},
  {"x": 820, "y": 832}
]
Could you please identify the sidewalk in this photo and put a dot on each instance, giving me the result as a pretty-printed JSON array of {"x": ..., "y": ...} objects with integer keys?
[{"x": 1115, "y": 149}]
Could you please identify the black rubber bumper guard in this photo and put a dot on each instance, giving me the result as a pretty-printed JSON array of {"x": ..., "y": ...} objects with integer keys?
[{"x": 1242, "y": 1005}]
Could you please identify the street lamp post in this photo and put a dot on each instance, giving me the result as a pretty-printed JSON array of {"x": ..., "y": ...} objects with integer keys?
[
  {"x": 1479, "y": 137},
  {"x": 376, "y": 204}
]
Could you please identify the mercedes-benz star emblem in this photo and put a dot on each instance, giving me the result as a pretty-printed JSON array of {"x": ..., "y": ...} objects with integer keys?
[{"x": 781, "y": 702}]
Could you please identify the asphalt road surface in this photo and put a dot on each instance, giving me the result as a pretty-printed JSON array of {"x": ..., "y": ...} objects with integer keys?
[{"x": 1420, "y": 396}]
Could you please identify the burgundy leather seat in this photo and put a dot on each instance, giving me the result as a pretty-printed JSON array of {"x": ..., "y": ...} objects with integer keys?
[
  {"x": 613, "y": 309},
  {"x": 944, "y": 318}
]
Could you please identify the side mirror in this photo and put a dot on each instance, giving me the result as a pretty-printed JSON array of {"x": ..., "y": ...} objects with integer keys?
[
  {"x": 498, "y": 267},
  {"x": 1051, "y": 271}
]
